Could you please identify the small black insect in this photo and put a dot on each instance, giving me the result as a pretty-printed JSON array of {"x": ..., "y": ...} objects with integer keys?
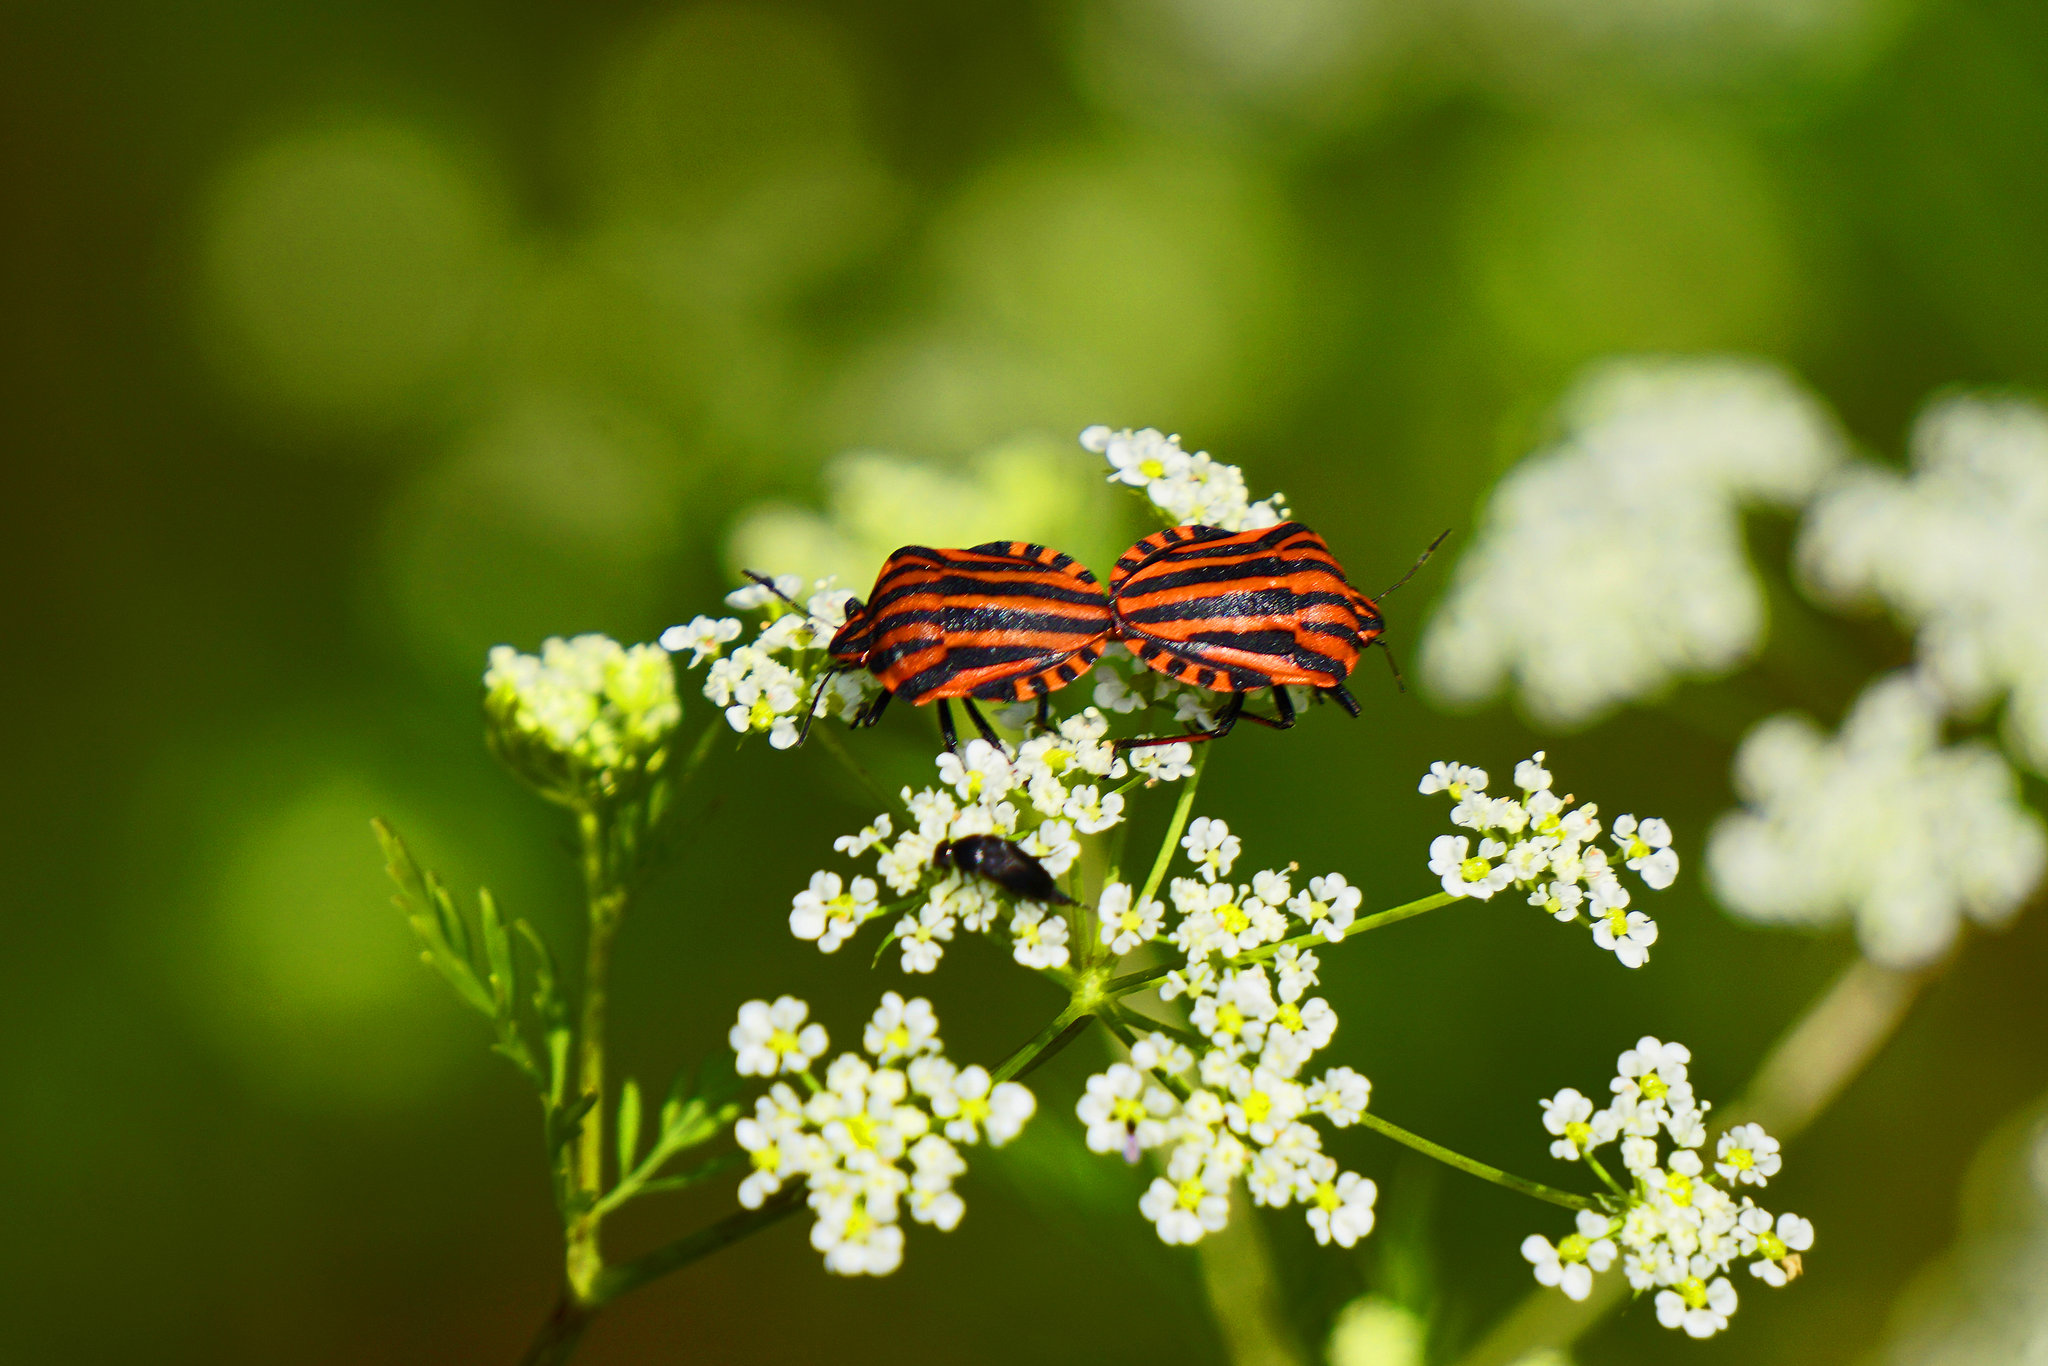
[{"x": 1004, "y": 863}]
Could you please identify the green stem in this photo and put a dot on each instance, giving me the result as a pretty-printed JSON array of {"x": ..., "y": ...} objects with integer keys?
[
  {"x": 630, "y": 1276},
  {"x": 1135, "y": 981},
  {"x": 1175, "y": 827},
  {"x": 584, "y": 1260},
  {"x": 1475, "y": 1167},
  {"x": 1606, "y": 1180},
  {"x": 1060, "y": 1031}
]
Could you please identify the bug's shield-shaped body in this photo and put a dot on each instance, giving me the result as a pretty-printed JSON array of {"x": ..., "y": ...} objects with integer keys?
[
  {"x": 1006, "y": 621},
  {"x": 1237, "y": 610}
]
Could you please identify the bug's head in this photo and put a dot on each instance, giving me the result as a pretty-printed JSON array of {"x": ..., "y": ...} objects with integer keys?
[{"x": 851, "y": 643}]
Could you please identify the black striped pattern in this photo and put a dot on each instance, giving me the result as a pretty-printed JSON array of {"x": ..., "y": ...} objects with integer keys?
[
  {"x": 1006, "y": 621},
  {"x": 1232, "y": 611}
]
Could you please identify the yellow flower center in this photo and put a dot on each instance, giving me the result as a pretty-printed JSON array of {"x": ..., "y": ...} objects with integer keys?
[
  {"x": 1127, "y": 1111},
  {"x": 1257, "y": 1106},
  {"x": 1474, "y": 869},
  {"x": 1457, "y": 791},
  {"x": 1057, "y": 760},
  {"x": 1636, "y": 847},
  {"x": 1653, "y": 1086},
  {"x": 899, "y": 1038},
  {"x": 760, "y": 714},
  {"x": 1233, "y": 917},
  {"x": 781, "y": 1041},
  {"x": 1579, "y": 1133},
  {"x": 841, "y": 906},
  {"x": 1189, "y": 1193},
  {"x": 857, "y": 1223},
  {"x": 1617, "y": 920},
  {"x": 767, "y": 1158},
  {"x": 1327, "y": 1199},
  {"x": 861, "y": 1130},
  {"x": 1229, "y": 1019},
  {"x": 1693, "y": 1291},
  {"x": 1288, "y": 1017},
  {"x": 1771, "y": 1245},
  {"x": 1742, "y": 1159},
  {"x": 973, "y": 1109},
  {"x": 1152, "y": 469},
  {"x": 1572, "y": 1247},
  {"x": 1678, "y": 1186}
]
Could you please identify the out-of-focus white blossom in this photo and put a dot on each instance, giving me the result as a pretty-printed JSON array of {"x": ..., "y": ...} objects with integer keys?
[
  {"x": 584, "y": 716},
  {"x": 1958, "y": 549},
  {"x": 1882, "y": 823},
  {"x": 1611, "y": 564}
]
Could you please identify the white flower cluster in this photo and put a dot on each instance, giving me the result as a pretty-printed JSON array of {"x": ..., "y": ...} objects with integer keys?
[
  {"x": 1882, "y": 822},
  {"x": 765, "y": 684},
  {"x": 582, "y": 712},
  {"x": 880, "y": 1133},
  {"x": 1543, "y": 845},
  {"x": 1959, "y": 550},
  {"x": 1239, "y": 1111},
  {"x": 1053, "y": 790},
  {"x": 1190, "y": 489},
  {"x": 1612, "y": 563},
  {"x": 1679, "y": 1227}
]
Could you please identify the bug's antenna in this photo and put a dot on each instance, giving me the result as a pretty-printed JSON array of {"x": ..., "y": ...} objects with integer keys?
[
  {"x": 1381, "y": 641},
  {"x": 1419, "y": 561},
  {"x": 811, "y": 712},
  {"x": 769, "y": 583}
]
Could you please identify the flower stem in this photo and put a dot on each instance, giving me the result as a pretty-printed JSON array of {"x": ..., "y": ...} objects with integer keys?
[
  {"x": 630, "y": 1276},
  {"x": 1174, "y": 827},
  {"x": 1060, "y": 1031},
  {"x": 1477, "y": 1168},
  {"x": 1137, "y": 981},
  {"x": 584, "y": 1260}
]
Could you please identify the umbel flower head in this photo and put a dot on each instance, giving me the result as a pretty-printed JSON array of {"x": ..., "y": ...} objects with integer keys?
[
  {"x": 586, "y": 720},
  {"x": 1684, "y": 1220}
]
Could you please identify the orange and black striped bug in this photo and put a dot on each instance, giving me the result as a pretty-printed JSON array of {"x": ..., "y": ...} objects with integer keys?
[
  {"x": 1233, "y": 611},
  {"x": 1003, "y": 862},
  {"x": 1003, "y": 622}
]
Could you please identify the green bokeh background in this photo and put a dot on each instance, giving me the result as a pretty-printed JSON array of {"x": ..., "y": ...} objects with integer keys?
[{"x": 345, "y": 341}]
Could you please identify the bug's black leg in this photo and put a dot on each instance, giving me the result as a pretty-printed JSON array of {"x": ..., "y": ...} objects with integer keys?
[
  {"x": 1044, "y": 711},
  {"x": 872, "y": 712},
  {"x": 981, "y": 724},
  {"x": 1283, "y": 705},
  {"x": 1381, "y": 641},
  {"x": 1225, "y": 719},
  {"x": 1343, "y": 696},
  {"x": 946, "y": 731}
]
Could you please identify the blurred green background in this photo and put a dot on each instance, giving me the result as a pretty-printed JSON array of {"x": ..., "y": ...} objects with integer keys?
[{"x": 345, "y": 341}]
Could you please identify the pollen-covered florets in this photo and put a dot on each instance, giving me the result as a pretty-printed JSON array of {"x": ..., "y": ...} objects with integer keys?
[
  {"x": 1677, "y": 1226},
  {"x": 878, "y": 1135},
  {"x": 1548, "y": 847},
  {"x": 1191, "y": 489}
]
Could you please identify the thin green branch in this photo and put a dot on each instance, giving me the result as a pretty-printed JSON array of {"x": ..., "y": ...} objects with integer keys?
[
  {"x": 630, "y": 1276},
  {"x": 1175, "y": 826},
  {"x": 1475, "y": 1167}
]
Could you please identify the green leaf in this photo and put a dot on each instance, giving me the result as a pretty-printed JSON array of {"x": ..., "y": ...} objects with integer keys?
[
  {"x": 497, "y": 952},
  {"x": 629, "y": 1125},
  {"x": 444, "y": 944},
  {"x": 566, "y": 1121}
]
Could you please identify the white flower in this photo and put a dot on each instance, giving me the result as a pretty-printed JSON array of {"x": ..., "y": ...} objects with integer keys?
[
  {"x": 829, "y": 915},
  {"x": 1747, "y": 1155},
  {"x": 1773, "y": 1247},
  {"x": 1091, "y": 811},
  {"x": 920, "y": 936},
  {"x": 1157, "y": 1052},
  {"x": 1189, "y": 489},
  {"x": 703, "y": 637},
  {"x": 1040, "y": 941},
  {"x": 1456, "y": 779},
  {"x": 1294, "y": 971},
  {"x": 749, "y": 596},
  {"x": 1881, "y": 823},
  {"x": 1701, "y": 1309},
  {"x": 1561, "y": 899},
  {"x": 1124, "y": 925},
  {"x": 1958, "y": 550},
  {"x": 901, "y": 1029},
  {"x": 871, "y": 837},
  {"x": 1053, "y": 845},
  {"x": 1531, "y": 776},
  {"x": 1328, "y": 906},
  {"x": 1612, "y": 564},
  {"x": 1646, "y": 848},
  {"x": 1627, "y": 933},
  {"x": 1113, "y": 693},
  {"x": 1164, "y": 763},
  {"x": 1567, "y": 1114},
  {"x": 856, "y": 1244},
  {"x": 1340, "y": 1095},
  {"x": 1123, "y": 1112},
  {"x": 1185, "y": 1208},
  {"x": 1211, "y": 847},
  {"x": 979, "y": 771},
  {"x": 1571, "y": 1263},
  {"x": 771, "y": 1039},
  {"x": 973, "y": 1105},
  {"x": 589, "y": 701},
  {"x": 1342, "y": 1211},
  {"x": 1473, "y": 876}
]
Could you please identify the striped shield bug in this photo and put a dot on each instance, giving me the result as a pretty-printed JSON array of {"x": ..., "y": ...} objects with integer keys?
[
  {"x": 1005, "y": 622},
  {"x": 1003, "y": 862},
  {"x": 1233, "y": 611}
]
